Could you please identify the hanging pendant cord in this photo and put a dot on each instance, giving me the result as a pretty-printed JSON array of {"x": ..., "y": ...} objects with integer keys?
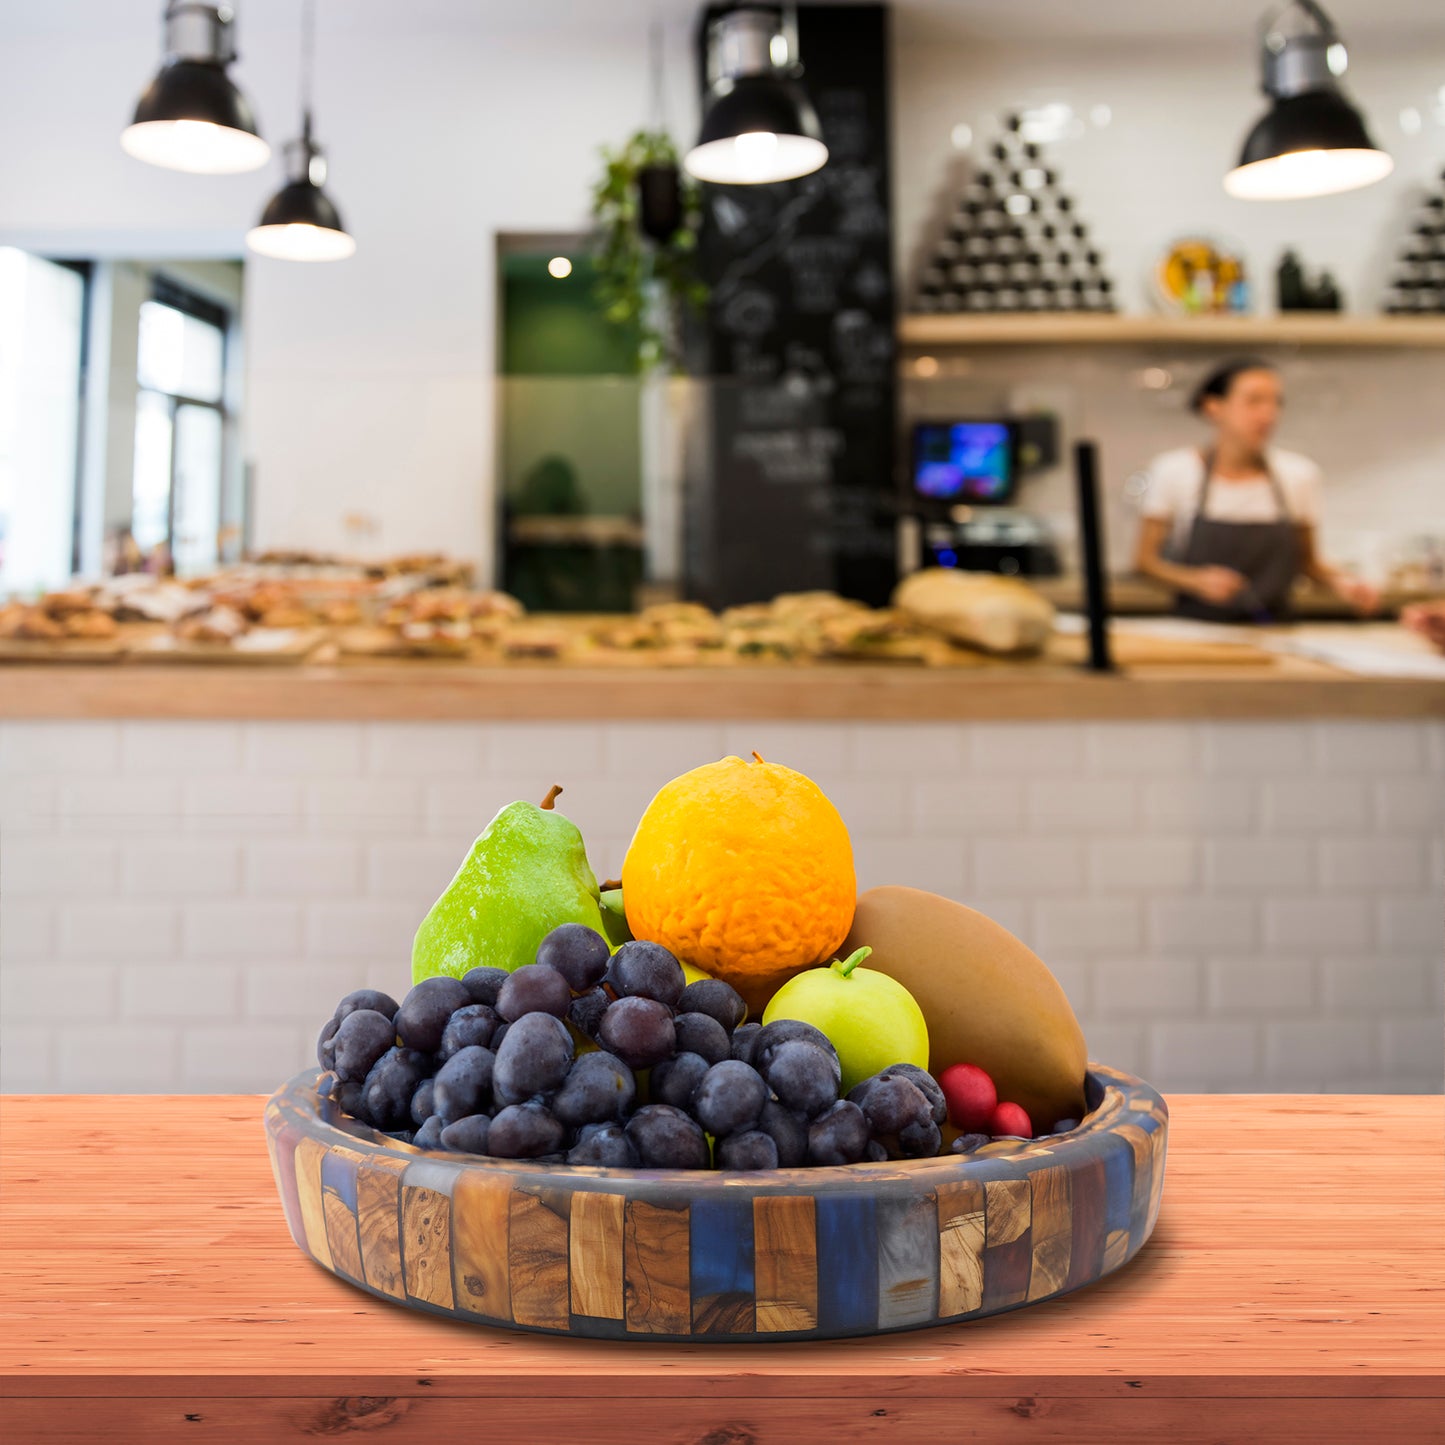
[
  {"x": 308, "y": 54},
  {"x": 659, "y": 98}
]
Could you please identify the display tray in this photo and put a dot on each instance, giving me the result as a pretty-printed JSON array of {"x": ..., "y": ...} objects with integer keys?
[{"x": 785, "y": 1254}]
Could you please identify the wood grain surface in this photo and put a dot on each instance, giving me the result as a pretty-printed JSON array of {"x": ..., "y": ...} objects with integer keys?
[
  {"x": 427, "y": 690},
  {"x": 149, "y": 1291}
]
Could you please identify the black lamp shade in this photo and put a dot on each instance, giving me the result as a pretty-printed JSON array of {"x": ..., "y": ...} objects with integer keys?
[
  {"x": 193, "y": 118},
  {"x": 1311, "y": 144},
  {"x": 758, "y": 106},
  {"x": 300, "y": 224}
]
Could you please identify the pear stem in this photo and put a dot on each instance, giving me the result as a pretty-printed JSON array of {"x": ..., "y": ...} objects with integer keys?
[
  {"x": 758, "y": 755},
  {"x": 553, "y": 793},
  {"x": 853, "y": 960},
  {"x": 609, "y": 885}
]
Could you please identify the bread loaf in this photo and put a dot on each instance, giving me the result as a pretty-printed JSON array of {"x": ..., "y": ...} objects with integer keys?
[{"x": 978, "y": 609}]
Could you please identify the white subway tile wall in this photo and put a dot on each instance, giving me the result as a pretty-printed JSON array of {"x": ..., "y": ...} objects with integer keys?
[{"x": 1246, "y": 907}]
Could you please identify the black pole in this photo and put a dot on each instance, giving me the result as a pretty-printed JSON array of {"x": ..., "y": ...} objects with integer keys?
[{"x": 1091, "y": 552}]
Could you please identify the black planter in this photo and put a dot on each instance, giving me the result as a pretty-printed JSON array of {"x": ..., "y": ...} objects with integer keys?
[{"x": 659, "y": 193}]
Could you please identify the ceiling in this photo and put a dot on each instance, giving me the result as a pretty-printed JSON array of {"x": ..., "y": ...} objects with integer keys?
[{"x": 1013, "y": 22}]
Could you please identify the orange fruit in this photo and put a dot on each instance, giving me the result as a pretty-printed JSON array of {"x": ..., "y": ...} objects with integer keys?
[{"x": 744, "y": 870}]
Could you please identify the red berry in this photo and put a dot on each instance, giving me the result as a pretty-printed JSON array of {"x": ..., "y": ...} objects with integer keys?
[
  {"x": 970, "y": 1095},
  {"x": 1010, "y": 1119}
]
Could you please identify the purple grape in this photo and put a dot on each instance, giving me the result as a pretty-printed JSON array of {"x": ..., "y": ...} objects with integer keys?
[
  {"x": 587, "y": 1010},
  {"x": 467, "y": 1135},
  {"x": 580, "y": 954},
  {"x": 500, "y": 1034},
  {"x": 875, "y": 1153},
  {"x": 473, "y": 1023},
  {"x": 789, "y": 1131},
  {"x": 675, "y": 1080},
  {"x": 800, "y": 1074},
  {"x": 967, "y": 1143},
  {"x": 745, "y": 1037},
  {"x": 647, "y": 970},
  {"x": 362, "y": 1038},
  {"x": 422, "y": 1018},
  {"x": 429, "y": 1135},
  {"x": 751, "y": 1149},
  {"x": 534, "y": 988},
  {"x": 523, "y": 1131},
  {"x": 922, "y": 1080},
  {"x": 1064, "y": 1126},
  {"x": 606, "y": 1145},
  {"x": 700, "y": 1033},
  {"x": 716, "y": 998},
  {"x": 464, "y": 1083},
  {"x": 598, "y": 1087},
  {"x": 890, "y": 1102},
  {"x": 639, "y": 1031},
  {"x": 327, "y": 1084},
  {"x": 421, "y": 1102},
  {"x": 390, "y": 1085},
  {"x": 533, "y": 1058},
  {"x": 772, "y": 1036},
  {"x": 920, "y": 1139},
  {"x": 839, "y": 1135},
  {"x": 729, "y": 1099},
  {"x": 484, "y": 984},
  {"x": 351, "y": 1099},
  {"x": 325, "y": 1048},
  {"x": 371, "y": 998},
  {"x": 665, "y": 1138}
]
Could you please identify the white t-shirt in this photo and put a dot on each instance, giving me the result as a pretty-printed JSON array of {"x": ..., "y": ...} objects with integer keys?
[{"x": 1174, "y": 479}]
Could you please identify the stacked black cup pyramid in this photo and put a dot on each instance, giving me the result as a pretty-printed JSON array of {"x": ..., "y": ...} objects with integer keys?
[
  {"x": 1417, "y": 287},
  {"x": 1015, "y": 242}
]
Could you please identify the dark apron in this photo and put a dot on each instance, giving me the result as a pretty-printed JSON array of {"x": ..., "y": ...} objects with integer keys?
[{"x": 1266, "y": 554}]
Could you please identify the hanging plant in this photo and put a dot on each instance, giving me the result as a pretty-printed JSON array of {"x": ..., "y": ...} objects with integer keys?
[{"x": 647, "y": 213}]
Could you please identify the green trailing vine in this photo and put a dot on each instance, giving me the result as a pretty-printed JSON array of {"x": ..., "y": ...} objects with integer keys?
[{"x": 626, "y": 260}]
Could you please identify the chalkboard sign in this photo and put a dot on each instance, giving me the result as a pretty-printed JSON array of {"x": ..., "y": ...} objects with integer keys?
[{"x": 796, "y": 486}]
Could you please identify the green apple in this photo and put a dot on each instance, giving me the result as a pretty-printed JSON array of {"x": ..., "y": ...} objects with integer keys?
[{"x": 870, "y": 1018}]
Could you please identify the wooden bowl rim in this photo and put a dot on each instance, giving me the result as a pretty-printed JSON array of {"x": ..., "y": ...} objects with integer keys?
[{"x": 1120, "y": 1099}]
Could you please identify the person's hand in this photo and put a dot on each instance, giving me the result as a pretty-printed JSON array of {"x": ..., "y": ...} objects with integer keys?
[
  {"x": 1428, "y": 619},
  {"x": 1363, "y": 596},
  {"x": 1217, "y": 584}
]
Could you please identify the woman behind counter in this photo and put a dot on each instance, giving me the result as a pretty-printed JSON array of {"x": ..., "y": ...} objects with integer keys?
[{"x": 1230, "y": 526}]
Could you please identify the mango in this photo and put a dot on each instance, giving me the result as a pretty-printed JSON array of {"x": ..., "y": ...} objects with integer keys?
[{"x": 987, "y": 998}]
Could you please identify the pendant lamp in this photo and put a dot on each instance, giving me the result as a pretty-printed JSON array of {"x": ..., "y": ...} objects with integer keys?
[
  {"x": 759, "y": 125},
  {"x": 1311, "y": 141},
  {"x": 192, "y": 117},
  {"x": 300, "y": 222}
]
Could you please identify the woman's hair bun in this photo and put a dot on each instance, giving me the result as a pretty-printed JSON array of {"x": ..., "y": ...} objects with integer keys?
[{"x": 1218, "y": 382}]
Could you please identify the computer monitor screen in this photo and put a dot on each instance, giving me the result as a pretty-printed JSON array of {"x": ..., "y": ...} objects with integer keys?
[{"x": 964, "y": 461}]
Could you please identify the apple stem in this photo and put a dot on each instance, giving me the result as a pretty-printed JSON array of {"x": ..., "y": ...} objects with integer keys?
[
  {"x": 853, "y": 960},
  {"x": 553, "y": 793}
]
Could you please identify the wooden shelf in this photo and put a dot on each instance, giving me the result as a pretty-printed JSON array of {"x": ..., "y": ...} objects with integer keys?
[{"x": 1303, "y": 329}]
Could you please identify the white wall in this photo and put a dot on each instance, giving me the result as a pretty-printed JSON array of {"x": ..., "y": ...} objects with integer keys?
[
  {"x": 1237, "y": 907},
  {"x": 369, "y": 384}
]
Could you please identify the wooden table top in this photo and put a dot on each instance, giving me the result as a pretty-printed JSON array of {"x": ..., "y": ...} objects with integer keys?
[{"x": 1294, "y": 1286}]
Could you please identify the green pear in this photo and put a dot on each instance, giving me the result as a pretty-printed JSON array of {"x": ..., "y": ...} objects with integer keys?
[{"x": 524, "y": 876}]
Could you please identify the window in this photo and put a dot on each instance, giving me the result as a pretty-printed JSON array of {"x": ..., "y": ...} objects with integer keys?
[
  {"x": 179, "y": 428},
  {"x": 42, "y": 329}
]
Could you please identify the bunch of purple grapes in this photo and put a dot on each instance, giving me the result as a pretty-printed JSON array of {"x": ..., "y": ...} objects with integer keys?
[{"x": 489, "y": 1064}]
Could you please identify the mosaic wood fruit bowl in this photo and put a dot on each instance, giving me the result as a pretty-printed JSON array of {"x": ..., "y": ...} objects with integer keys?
[{"x": 784, "y": 1254}]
